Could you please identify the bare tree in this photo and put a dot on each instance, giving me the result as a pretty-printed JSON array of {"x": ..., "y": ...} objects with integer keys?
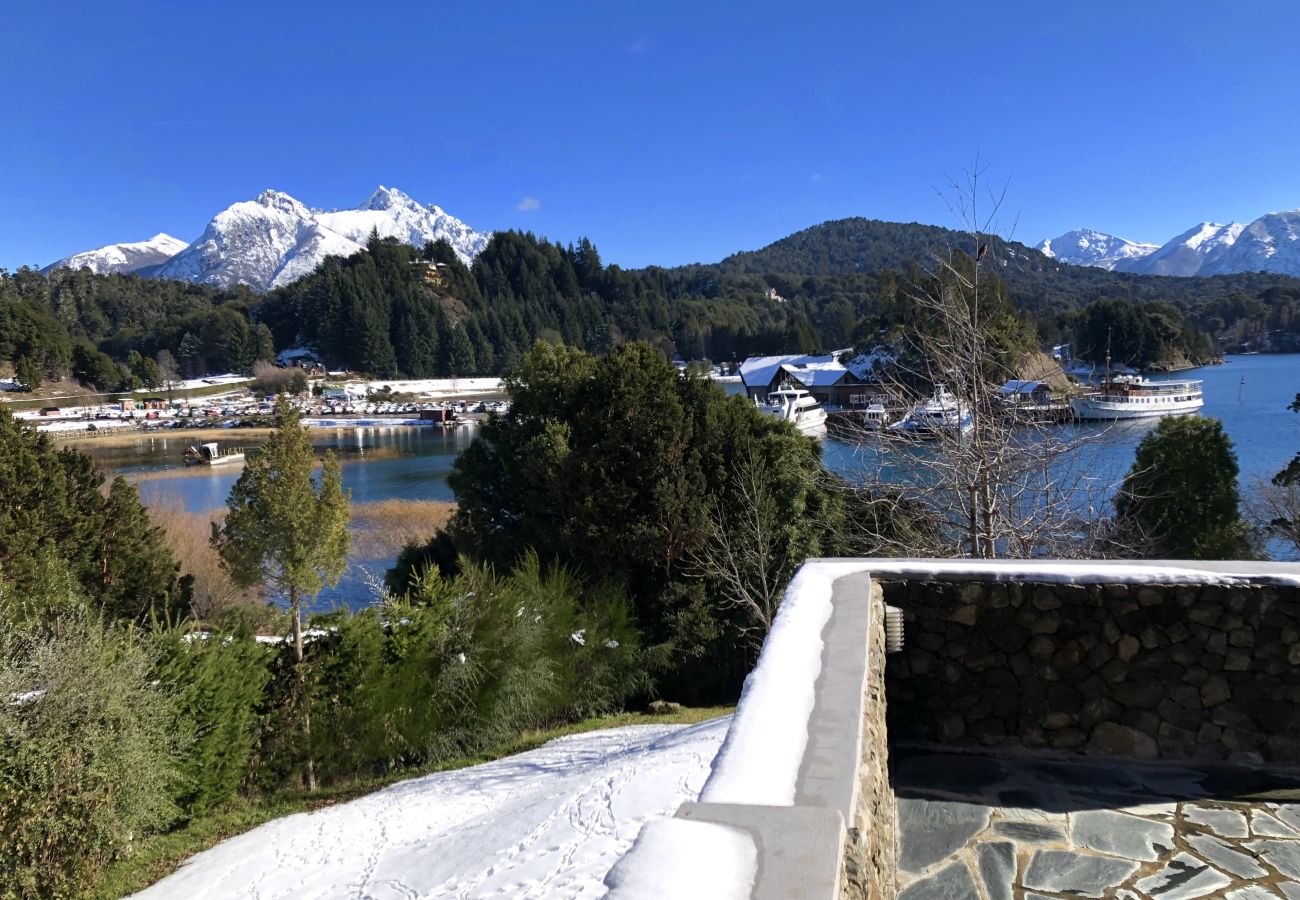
[{"x": 1000, "y": 483}]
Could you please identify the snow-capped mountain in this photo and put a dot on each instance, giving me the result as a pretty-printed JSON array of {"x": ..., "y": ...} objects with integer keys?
[
  {"x": 1271, "y": 243},
  {"x": 1191, "y": 253},
  {"x": 1085, "y": 247},
  {"x": 123, "y": 259},
  {"x": 393, "y": 214},
  {"x": 274, "y": 239}
]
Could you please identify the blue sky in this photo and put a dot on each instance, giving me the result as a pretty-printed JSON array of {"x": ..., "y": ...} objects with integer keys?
[{"x": 667, "y": 132}]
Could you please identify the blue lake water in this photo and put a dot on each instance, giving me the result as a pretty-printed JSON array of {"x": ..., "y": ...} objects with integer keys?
[{"x": 413, "y": 462}]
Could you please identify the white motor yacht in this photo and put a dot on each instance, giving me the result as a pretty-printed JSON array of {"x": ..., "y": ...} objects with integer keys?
[
  {"x": 798, "y": 407},
  {"x": 942, "y": 414}
]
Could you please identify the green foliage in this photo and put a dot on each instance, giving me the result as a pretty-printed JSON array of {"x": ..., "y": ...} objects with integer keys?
[
  {"x": 285, "y": 531},
  {"x": 52, "y": 506},
  {"x": 42, "y": 316},
  {"x": 87, "y": 757},
  {"x": 1180, "y": 496},
  {"x": 1152, "y": 335},
  {"x": 608, "y": 465},
  {"x": 218, "y": 682}
]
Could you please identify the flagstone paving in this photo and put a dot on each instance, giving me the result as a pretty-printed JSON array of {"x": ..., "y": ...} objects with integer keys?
[{"x": 979, "y": 828}]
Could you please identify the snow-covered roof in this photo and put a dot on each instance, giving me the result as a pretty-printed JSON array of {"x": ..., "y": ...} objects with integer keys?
[
  {"x": 810, "y": 371},
  {"x": 1016, "y": 386}
]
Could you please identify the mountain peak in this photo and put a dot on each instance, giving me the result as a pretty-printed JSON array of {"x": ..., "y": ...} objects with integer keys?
[
  {"x": 388, "y": 198},
  {"x": 275, "y": 239},
  {"x": 124, "y": 259},
  {"x": 1087, "y": 247},
  {"x": 278, "y": 200}
]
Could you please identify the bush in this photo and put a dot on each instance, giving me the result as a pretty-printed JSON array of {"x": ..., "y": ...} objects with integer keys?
[
  {"x": 1179, "y": 499},
  {"x": 218, "y": 683},
  {"x": 87, "y": 757}
]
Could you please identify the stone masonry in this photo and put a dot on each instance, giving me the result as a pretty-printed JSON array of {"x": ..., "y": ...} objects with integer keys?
[
  {"x": 1194, "y": 672},
  {"x": 872, "y": 845}
]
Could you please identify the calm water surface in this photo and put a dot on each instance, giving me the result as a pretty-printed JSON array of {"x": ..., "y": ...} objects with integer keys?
[{"x": 1249, "y": 393}]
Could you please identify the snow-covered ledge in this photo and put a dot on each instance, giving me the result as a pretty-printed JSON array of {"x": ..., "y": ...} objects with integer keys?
[
  {"x": 783, "y": 812},
  {"x": 798, "y": 803}
]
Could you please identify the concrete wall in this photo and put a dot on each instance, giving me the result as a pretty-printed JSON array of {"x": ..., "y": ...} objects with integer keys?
[
  {"x": 803, "y": 771},
  {"x": 1207, "y": 671}
]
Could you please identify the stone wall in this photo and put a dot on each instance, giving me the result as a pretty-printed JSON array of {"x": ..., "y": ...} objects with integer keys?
[
  {"x": 1187, "y": 671},
  {"x": 871, "y": 848}
]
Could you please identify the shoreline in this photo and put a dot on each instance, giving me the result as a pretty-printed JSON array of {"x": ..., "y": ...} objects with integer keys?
[{"x": 124, "y": 437}]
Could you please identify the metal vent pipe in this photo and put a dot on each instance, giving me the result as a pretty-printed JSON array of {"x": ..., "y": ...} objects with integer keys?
[{"x": 893, "y": 629}]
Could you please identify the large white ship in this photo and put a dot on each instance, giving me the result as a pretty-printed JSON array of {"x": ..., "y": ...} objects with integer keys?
[{"x": 1133, "y": 397}]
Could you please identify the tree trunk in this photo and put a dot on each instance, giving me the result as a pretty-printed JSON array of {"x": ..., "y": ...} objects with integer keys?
[{"x": 296, "y": 607}]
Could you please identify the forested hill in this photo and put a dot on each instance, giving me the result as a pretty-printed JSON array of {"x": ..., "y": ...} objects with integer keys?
[
  {"x": 395, "y": 310},
  {"x": 857, "y": 245}
]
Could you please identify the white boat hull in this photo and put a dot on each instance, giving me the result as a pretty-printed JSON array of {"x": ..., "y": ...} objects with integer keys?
[{"x": 1095, "y": 408}]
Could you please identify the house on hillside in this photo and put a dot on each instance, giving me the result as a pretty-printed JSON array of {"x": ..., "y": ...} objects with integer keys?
[{"x": 834, "y": 384}]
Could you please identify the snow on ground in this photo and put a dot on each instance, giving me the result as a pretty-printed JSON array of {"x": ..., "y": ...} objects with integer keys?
[
  {"x": 547, "y": 823},
  {"x": 432, "y": 386}
]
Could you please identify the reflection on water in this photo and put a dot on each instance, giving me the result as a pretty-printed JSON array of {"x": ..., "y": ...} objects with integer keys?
[{"x": 413, "y": 462}]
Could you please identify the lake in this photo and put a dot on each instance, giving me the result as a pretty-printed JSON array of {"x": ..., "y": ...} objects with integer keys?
[{"x": 413, "y": 462}]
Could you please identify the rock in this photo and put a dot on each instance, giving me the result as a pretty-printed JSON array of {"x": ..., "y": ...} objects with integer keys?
[
  {"x": 1128, "y": 647},
  {"x": 933, "y": 830},
  {"x": 971, "y": 592},
  {"x": 951, "y": 727},
  {"x": 1183, "y": 878},
  {"x": 664, "y": 707},
  {"x": 997, "y": 867},
  {"x": 1030, "y": 832},
  {"x": 1281, "y": 855},
  {"x": 1058, "y": 720},
  {"x": 1119, "y": 740},
  {"x": 1242, "y": 637},
  {"x": 1045, "y": 600},
  {"x": 1059, "y": 871},
  {"x": 1041, "y": 646},
  {"x": 1214, "y": 691},
  {"x": 1223, "y": 856},
  {"x": 1045, "y": 624},
  {"x": 1264, "y": 825},
  {"x": 1237, "y": 661},
  {"x": 1217, "y": 643},
  {"x": 1141, "y": 695},
  {"x": 952, "y": 882},
  {"x": 1119, "y": 834},
  {"x": 965, "y": 615}
]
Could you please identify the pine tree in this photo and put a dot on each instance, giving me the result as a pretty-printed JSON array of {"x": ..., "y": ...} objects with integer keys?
[
  {"x": 265, "y": 344},
  {"x": 284, "y": 531},
  {"x": 1181, "y": 494},
  {"x": 460, "y": 353}
]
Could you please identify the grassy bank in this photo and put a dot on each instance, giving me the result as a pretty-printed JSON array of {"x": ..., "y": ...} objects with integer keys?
[{"x": 159, "y": 855}]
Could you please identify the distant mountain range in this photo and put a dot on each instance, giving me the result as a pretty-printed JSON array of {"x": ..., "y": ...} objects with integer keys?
[
  {"x": 274, "y": 239},
  {"x": 1271, "y": 243}
]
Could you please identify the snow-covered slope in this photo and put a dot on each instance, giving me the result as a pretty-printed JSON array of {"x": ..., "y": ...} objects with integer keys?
[
  {"x": 549, "y": 823},
  {"x": 393, "y": 214},
  {"x": 1085, "y": 247},
  {"x": 274, "y": 239},
  {"x": 123, "y": 259},
  {"x": 1188, "y": 254},
  {"x": 1271, "y": 243}
]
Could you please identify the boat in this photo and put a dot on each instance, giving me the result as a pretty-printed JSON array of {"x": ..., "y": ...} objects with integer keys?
[
  {"x": 212, "y": 455},
  {"x": 942, "y": 414},
  {"x": 798, "y": 407},
  {"x": 1134, "y": 397}
]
